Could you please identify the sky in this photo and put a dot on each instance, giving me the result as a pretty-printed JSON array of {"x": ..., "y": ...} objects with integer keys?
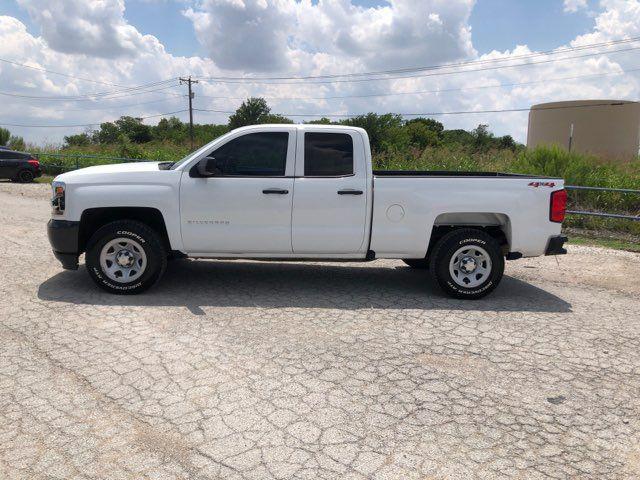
[{"x": 66, "y": 66}]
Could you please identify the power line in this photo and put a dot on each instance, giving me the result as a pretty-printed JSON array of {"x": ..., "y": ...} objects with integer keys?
[
  {"x": 85, "y": 124},
  {"x": 432, "y": 74},
  {"x": 430, "y": 67},
  {"x": 41, "y": 69},
  {"x": 432, "y": 114},
  {"x": 102, "y": 96},
  {"x": 331, "y": 97},
  {"x": 443, "y": 90},
  {"x": 113, "y": 107}
]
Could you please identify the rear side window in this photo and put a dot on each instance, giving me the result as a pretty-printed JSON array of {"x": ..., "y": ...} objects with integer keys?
[
  {"x": 328, "y": 154},
  {"x": 255, "y": 154}
]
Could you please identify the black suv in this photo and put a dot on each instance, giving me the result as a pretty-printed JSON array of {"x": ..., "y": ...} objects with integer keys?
[{"x": 18, "y": 166}]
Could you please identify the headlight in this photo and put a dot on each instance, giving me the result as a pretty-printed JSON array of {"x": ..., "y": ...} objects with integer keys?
[{"x": 58, "y": 200}]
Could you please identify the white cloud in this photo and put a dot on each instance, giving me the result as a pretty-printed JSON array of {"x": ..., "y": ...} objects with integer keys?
[
  {"x": 264, "y": 35},
  {"x": 572, "y": 6},
  {"x": 619, "y": 19},
  {"x": 243, "y": 33},
  {"x": 94, "y": 28},
  {"x": 293, "y": 38}
]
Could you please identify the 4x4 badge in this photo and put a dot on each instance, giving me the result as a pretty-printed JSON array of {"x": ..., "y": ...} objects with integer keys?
[{"x": 542, "y": 184}]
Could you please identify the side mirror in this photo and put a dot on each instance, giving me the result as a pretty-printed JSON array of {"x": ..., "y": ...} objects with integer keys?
[
  {"x": 206, "y": 168},
  {"x": 202, "y": 167}
]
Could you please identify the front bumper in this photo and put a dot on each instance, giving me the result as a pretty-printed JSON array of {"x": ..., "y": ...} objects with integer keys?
[
  {"x": 63, "y": 237},
  {"x": 556, "y": 245}
]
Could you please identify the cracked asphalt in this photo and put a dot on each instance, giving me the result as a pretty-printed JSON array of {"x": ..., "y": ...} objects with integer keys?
[{"x": 247, "y": 370}]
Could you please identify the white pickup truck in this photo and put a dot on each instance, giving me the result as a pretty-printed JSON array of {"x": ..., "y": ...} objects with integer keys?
[{"x": 300, "y": 192}]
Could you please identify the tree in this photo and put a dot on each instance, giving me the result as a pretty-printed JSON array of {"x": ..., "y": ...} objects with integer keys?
[
  {"x": 131, "y": 127},
  {"x": 134, "y": 129},
  {"x": 458, "y": 136},
  {"x": 420, "y": 135},
  {"x": 321, "y": 121},
  {"x": 171, "y": 129},
  {"x": 108, "y": 133},
  {"x": 79, "y": 140},
  {"x": 16, "y": 143},
  {"x": 4, "y": 136},
  {"x": 251, "y": 112},
  {"x": 507, "y": 142},
  {"x": 205, "y": 133},
  {"x": 383, "y": 130},
  {"x": 428, "y": 123},
  {"x": 275, "y": 118},
  {"x": 483, "y": 137}
]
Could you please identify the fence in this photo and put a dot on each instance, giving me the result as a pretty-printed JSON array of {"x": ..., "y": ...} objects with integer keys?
[{"x": 625, "y": 191}]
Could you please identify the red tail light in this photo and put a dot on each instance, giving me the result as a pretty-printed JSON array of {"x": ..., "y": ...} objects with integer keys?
[
  {"x": 34, "y": 163},
  {"x": 558, "y": 206}
]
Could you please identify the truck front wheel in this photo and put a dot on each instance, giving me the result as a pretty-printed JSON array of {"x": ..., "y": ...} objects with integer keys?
[
  {"x": 467, "y": 263},
  {"x": 126, "y": 257}
]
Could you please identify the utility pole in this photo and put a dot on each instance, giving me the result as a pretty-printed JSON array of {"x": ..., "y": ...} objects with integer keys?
[
  {"x": 188, "y": 81},
  {"x": 570, "y": 137}
]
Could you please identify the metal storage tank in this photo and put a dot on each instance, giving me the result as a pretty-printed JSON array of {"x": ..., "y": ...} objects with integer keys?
[{"x": 608, "y": 128}]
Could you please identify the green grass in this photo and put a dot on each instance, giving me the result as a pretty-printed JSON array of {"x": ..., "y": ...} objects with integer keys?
[{"x": 606, "y": 243}]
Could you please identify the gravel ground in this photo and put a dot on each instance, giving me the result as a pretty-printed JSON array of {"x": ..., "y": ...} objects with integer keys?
[{"x": 233, "y": 369}]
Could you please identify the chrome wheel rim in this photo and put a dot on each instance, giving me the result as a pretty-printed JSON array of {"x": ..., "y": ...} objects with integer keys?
[
  {"x": 123, "y": 260},
  {"x": 470, "y": 266}
]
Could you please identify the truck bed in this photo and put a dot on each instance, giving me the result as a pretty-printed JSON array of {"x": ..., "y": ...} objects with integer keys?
[{"x": 408, "y": 204}]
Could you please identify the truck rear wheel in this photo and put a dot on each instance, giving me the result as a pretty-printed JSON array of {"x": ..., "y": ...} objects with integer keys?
[
  {"x": 467, "y": 263},
  {"x": 126, "y": 257}
]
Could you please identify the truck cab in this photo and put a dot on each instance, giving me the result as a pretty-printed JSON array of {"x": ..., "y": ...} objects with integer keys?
[{"x": 281, "y": 196}]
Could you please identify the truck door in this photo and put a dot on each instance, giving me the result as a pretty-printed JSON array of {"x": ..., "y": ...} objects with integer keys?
[
  {"x": 330, "y": 194},
  {"x": 246, "y": 206}
]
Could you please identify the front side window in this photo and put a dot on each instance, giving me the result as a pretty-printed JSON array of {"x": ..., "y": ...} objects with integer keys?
[
  {"x": 252, "y": 155},
  {"x": 328, "y": 154}
]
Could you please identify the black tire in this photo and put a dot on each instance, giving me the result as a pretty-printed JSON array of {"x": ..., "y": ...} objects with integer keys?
[
  {"x": 25, "y": 176},
  {"x": 144, "y": 236},
  {"x": 446, "y": 248},
  {"x": 417, "y": 263}
]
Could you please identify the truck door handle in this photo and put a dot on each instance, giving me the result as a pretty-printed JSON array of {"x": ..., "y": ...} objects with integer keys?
[
  {"x": 350, "y": 192},
  {"x": 275, "y": 191}
]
